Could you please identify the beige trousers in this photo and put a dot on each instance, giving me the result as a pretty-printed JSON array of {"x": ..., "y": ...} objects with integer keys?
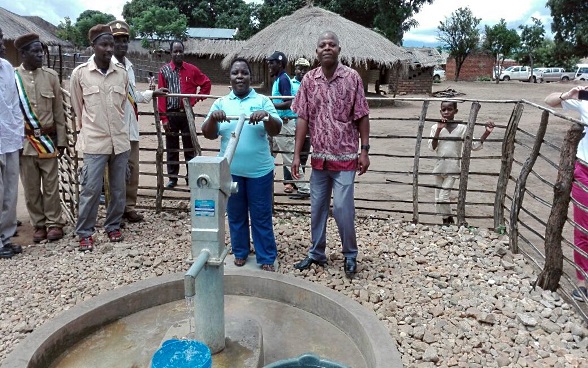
[
  {"x": 133, "y": 178},
  {"x": 40, "y": 180}
]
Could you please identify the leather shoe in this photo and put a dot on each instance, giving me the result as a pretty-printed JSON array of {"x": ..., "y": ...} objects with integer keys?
[
  {"x": 306, "y": 262},
  {"x": 171, "y": 184},
  {"x": 6, "y": 252},
  {"x": 16, "y": 249},
  {"x": 54, "y": 233},
  {"x": 40, "y": 234},
  {"x": 133, "y": 216},
  {"x": 299, "y": 196},
  {"x": 350, "y": 266}
]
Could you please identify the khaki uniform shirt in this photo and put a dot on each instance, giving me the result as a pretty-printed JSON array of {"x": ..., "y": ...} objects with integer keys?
[
  {"x": 99, "y": 102},
  {"x": 44, "y": 93}
]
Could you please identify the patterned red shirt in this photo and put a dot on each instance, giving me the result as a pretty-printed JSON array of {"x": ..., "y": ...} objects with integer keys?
[{"x": 331, "y": 109}]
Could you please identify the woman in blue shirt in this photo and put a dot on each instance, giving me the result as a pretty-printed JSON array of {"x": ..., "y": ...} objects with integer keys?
[{"x": 252, "y": 166}]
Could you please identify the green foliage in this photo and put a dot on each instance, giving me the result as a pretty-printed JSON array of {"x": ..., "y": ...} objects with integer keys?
[
  {"x": 501, "y": 42},
  {"x": 66, "y": 30},
  {"x": 161, "y": 23},
  {"x": 390, "y": 17},
  {"x": 532, "y": 37},
  {"x": 87, "y": 20},
  {"x": 570, "y": 27},
  {"x": 460, "y": 35}
]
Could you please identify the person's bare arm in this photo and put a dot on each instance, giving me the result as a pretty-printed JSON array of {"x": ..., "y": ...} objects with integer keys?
[
  {"x": 299, "y": 137},
  {"x": 555, "y": 99},
  {"x": 363, "y": 126}
]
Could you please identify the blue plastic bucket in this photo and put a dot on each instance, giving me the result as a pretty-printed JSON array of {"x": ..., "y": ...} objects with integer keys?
[{"x": 182, "y": 354}]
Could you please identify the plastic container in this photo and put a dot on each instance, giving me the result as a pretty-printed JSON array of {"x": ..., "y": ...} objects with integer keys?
[
  {"x": 306, "y": 361},
  {"x": 182, "y": 354}
]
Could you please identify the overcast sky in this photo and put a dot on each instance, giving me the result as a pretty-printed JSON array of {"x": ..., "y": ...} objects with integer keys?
[{"x": 514, "y": 12}]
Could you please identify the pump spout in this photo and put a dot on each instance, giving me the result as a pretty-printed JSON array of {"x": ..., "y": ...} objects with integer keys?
[{"x": 190, "y": 276}]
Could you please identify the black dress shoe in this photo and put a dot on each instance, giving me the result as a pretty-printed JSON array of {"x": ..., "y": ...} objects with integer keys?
[
  {"x": 350, "y": 266},
  {"x": 6, "y": 252},
  {"x": 171, "y": 184},
  {"x": 299, "y": 196},
  {"x": 306, "y": 262},
  {"x": 16, "y": 249}
]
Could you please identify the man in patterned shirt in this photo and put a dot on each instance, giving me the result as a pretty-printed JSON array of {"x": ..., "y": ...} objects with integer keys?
[
  {"x": 179, "y": 77},
  {"x": 332, "y": 105}
]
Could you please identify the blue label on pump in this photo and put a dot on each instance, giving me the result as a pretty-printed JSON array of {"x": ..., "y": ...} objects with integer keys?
[{"x": 204, "y": 208}]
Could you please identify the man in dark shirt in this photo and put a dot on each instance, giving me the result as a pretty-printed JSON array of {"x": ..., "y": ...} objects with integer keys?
[{"x": 179, "y": 77}]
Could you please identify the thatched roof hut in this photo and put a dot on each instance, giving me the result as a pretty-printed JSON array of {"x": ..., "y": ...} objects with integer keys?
[
  {"x": 14, "y": 25},
  {"x": 296, "y": 35}
]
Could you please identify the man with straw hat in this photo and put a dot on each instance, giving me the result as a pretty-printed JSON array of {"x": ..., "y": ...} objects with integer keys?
[
  {"x": 41, "y": 102},
  {"x": 98, "y": 97},
  {"x": 121, "y": 31},
  {"x": 11, "y": 137}
]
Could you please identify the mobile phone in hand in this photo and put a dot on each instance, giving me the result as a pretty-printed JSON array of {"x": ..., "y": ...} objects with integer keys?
[{"x": 583, "y": 94}]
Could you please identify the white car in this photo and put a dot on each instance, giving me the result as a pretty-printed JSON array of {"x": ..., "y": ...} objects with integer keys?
[
  {"x": 582, "y": 72},
  {"x": 438, "y": 74},
  {"x": 517, "y": 72}
]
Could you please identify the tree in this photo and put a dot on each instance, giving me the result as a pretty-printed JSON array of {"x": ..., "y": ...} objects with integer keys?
[
  {"x": 66, "y": 30},
  {"x": 88, "y": 19},
  {"x": 395, "y": 17},
  {"x": 532, "y": 37},
  {"x": 570, "y": 27},
  {"x": 501, "y": 42},
  {"x": 160, "y": 23},
  {"x": 461, "y": 35}
]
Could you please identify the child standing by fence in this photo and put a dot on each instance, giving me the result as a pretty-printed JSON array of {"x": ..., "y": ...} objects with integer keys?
[{"x": 447, "y": 141}]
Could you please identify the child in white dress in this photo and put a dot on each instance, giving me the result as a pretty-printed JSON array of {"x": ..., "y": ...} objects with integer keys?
[{"x": 449, "y": 151}]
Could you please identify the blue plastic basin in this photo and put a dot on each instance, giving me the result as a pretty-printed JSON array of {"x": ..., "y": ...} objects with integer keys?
[{"x": 182, "y": 354}]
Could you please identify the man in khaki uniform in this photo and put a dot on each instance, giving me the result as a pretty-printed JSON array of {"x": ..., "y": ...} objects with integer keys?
[
  {"x": 98, "y": 97},
  {"x": 120, "y": 31},
  {"x": 42, "y": 105}
]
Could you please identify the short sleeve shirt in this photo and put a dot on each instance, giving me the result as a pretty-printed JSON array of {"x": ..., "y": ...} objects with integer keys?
[
  {"x": 331, "y": 109},
  {"x": 252, "y": 157},
  {"x": 581, "y": 107}
]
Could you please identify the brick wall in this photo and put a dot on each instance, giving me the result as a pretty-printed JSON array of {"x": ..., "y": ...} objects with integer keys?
[
  {"x": 475, "y": 66},
  {"x": 418, "y": 81}
]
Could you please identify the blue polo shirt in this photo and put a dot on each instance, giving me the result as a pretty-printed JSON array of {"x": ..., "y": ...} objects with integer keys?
[
  {"x": 283, "y": 87},
  {"x": 252, "y": 157}
]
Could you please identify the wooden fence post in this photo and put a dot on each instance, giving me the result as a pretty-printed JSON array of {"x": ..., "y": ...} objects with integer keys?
[
  {"x": 519, "y": 192},
  {"x": 508, "y": 147},
  {"x": 158, "y": 159},
  {"x": 465, "y": 163},
  {"x": 415, "y": 167},
  {"x": 192, "y": 126},
  {"x": 550, "y": 275}
]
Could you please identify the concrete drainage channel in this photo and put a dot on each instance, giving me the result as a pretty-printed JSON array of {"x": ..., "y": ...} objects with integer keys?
[{"x": 270, "y": 317}]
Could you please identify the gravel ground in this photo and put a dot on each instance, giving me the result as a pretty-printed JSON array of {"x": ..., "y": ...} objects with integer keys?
[{"x": 449, "y": 296}]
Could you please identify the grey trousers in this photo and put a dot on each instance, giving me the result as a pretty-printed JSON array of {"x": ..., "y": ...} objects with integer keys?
[
  {"x": 92, "y": 175},
  {"x": 284, "y": 142},
  {"x": 340, "y": 183},
  {"x": 8, "y": 195},
  {"x": 133, "y": 180}
]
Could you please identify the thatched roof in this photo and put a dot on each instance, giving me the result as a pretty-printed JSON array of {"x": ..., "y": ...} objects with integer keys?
[
  {"x": 200, "y": 47},
  {"x": 14, "y": 25},
  {"x": 425, "y": 56},
  {"x": 296, "y": 36}
]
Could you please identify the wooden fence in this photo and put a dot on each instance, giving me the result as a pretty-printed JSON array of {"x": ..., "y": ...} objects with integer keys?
[{"x": 519, "y": 184}]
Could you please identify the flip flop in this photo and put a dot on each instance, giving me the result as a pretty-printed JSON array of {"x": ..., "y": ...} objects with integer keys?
[{"x": 288, "y": 188}]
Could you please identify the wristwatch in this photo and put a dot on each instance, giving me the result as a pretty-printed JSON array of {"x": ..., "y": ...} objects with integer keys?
[{"x": 365, "y": 147}]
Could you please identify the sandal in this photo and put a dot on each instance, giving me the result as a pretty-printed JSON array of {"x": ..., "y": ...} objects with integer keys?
[
  {"x": 288, "y": 188},
  {"x": 86, "y": 244},
  {"x": 239, "y": 262},
  {"x": 268, "y": 267},
  {"x": 115, "y": 235}
]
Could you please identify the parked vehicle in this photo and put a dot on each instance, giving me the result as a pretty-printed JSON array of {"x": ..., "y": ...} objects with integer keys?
[
  {"x": 438, "y": 74},
  {"x": 516, "y": 72},
  {"x": 555, "y": 75},
  {"x": 582, "y": 72}
]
